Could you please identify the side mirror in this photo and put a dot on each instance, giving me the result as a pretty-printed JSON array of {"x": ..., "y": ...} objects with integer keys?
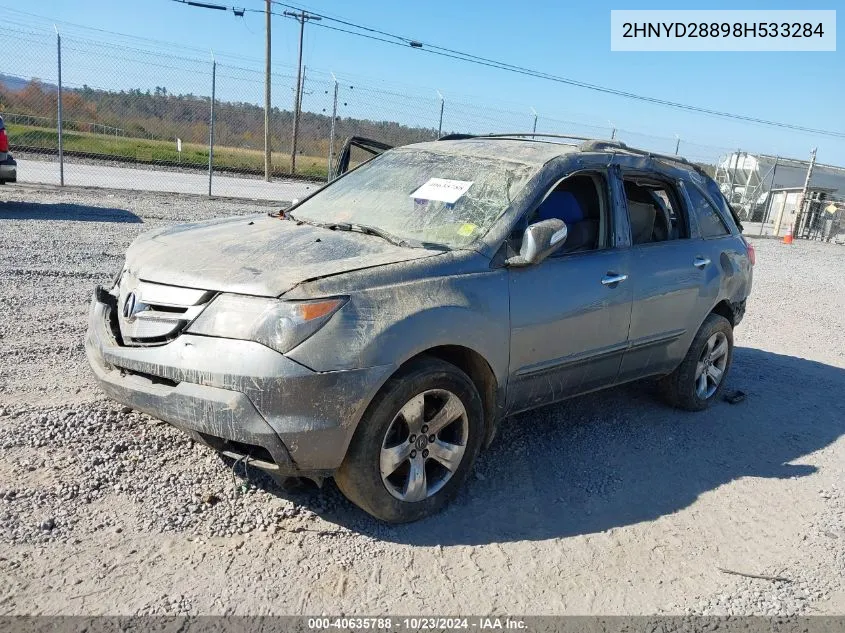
[{"x": 540, "y": 240}]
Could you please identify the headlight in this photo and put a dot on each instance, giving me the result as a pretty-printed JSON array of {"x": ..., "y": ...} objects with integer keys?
[{"x": 280, "y": 325}]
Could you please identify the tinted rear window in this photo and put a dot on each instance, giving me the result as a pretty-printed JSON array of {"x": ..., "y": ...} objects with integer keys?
[
  {"x": 721, "y": 203},
  {"x": 710, "y": 222}
]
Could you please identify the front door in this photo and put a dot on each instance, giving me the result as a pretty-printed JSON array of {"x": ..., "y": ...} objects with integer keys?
[
  {"x": 569, "y": 326},
  {"x": 570, "y": 313}
]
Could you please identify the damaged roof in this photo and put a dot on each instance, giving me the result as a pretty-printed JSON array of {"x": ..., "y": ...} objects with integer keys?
[{"x": 527, "y": 152}]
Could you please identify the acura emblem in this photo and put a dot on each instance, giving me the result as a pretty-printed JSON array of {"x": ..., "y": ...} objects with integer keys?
[
  {"x": 129, "y": 306},
  {"x": 132, "y": 306}
]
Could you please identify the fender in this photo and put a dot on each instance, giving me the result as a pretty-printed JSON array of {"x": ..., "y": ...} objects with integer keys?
[{"x": 390, "y": 324}]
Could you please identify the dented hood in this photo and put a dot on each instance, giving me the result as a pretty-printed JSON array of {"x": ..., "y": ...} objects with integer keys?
[{"x": 260, "y": 255}]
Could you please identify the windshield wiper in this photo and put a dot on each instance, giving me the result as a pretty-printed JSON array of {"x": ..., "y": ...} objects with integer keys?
[
  {"x": 366, "y": 230},
  {"x": 372, "y": 230},
  {"x": 398, "y": 241}
]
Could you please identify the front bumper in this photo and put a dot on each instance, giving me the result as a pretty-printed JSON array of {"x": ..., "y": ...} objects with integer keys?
[
  {"x": 239, "y": 397},
  {"x": 8, "y": 170}
]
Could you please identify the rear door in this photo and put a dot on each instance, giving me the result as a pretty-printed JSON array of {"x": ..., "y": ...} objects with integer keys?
[
  {"x": 674, "y": 281},
  {"x": 721, "y": 251}
]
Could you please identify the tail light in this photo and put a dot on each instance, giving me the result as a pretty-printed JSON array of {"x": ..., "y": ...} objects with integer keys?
[
  {"x": 4, "y": 141},
  {"x": 752, "y": 254}
]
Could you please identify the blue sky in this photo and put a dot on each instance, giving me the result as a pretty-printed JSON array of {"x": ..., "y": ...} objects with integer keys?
[{"x": 569, "y": 39}]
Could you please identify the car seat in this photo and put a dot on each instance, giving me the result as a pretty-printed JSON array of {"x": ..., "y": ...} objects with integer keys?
[
  {"x": 663, "y": 229},
  {"x": 642, "y": 216},
  {"x": 582, "y": 229},
  {"x": 649, "y": 218}
]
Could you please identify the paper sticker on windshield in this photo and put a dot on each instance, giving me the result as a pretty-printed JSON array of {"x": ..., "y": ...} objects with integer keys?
[{"x": 443, "y": 190}]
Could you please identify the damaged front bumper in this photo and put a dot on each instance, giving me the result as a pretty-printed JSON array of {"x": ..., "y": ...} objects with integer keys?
[{"x": 239, "y": 397}]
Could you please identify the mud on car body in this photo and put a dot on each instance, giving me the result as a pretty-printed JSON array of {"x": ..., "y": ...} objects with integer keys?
[{"x": 381, "y": 328}]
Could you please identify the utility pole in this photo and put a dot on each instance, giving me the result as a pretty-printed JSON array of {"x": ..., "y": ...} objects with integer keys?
[
  {"x": 240, "y": 13},
  {"x": 267, "y": 51},
  {"x": 442, "y": 105},
  {"x": 301, "y": 17},
  {"x": 677, "y": 144},
  {"x": 302, "y": 86}
]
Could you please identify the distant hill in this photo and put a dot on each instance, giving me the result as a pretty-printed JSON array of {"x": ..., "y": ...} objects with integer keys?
[
  {"x": 164, "y": 116},
  {"x": 160, "y": 115},
  {"x": 10, "y": 82}
]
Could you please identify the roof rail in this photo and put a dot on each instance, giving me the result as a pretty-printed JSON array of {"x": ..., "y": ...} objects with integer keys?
[
  {"x": 588, "y": 145},
  {"x": 458, "y": 137},
  {"x": 455, "y": 137},
  {"x": 594, "y": 146}
]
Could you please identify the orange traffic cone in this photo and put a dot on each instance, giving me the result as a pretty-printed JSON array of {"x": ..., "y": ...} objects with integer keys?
[{"x": 787, "y": 239}]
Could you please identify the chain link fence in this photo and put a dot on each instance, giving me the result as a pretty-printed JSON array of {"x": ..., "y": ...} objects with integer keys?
[
  {"x": 137, "y": 117},
  {"x": 775, "y": 196}
]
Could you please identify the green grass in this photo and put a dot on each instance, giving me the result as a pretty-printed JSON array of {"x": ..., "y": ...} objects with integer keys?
[{"x": 151, "y": 151}]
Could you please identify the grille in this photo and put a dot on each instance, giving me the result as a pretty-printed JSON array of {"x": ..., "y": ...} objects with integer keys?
[{"x": 153, "y": 314}]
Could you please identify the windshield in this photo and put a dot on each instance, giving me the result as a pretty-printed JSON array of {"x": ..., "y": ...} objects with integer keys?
[{"x": 420, "y": 196}]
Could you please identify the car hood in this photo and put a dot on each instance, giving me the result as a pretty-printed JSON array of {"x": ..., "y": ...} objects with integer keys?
[{"x": 261, "y": 255}]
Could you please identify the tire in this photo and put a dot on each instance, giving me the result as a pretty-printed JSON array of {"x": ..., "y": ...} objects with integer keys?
[
  {"x": 683, "y": 387},
  {"x": 385, "y": 438}
]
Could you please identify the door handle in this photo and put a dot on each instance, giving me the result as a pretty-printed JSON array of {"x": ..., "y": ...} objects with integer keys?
[
  {"x": 700, "y": 262},
  {"x": 611, "y": 278}
]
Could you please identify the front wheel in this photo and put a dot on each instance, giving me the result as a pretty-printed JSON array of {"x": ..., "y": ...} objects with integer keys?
[
  {"x": 700, "y": 378},
  {"x": 415, "y": 445}
]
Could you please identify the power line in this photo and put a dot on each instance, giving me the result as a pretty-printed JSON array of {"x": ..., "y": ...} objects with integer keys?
[
  {"x": 267, "y": 76},
  {"x": 158, "y": 43},
  {"x": 302, "y": 17},
  {"x": 399, "y": 40}
]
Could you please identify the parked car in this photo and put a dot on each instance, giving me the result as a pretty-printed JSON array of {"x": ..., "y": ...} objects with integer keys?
[
  {"x": 8, "y": 166},
  {"x": 380, "y": 330}
]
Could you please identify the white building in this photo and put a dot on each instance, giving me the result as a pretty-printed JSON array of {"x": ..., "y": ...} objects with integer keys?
[{"x": 767, "y": 190}]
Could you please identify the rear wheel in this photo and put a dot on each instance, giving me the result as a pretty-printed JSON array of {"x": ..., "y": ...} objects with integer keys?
[
  {"x": 700, "y": 378},
  {"x": 415, "y": 445}
]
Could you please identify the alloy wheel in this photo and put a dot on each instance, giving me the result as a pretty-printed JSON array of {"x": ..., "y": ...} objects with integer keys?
[
  {"x": 710, "y": 369},
  {"x": 424, "y": 445}
]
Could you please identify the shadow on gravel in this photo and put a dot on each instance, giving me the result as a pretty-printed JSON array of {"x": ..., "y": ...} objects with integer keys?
[
  {"x": 620, "y": 457},
  {"x": 66, "y": 212}
]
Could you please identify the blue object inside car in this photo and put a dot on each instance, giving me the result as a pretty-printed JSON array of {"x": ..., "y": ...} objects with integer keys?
[
  {"x": 582, "y": 227},
  {"x": 563, "y": 205}
]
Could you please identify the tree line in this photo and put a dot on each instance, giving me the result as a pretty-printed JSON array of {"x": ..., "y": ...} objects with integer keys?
[{"x": 161, "y": 115}]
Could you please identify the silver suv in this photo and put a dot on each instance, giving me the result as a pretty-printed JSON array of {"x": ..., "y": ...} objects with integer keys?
[{"x": 379, "y": 330}]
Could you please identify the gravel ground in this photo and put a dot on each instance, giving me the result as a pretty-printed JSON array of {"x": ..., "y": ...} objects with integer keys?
[{"x": 607, "y": 504}]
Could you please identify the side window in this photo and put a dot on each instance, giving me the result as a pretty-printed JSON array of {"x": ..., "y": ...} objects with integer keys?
[
  {"x": 710, "y": 223},
  {"x": 718, "y": 197},
  {"x": 654, "y": 211},
  {"x": 580, "y": 200}
]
